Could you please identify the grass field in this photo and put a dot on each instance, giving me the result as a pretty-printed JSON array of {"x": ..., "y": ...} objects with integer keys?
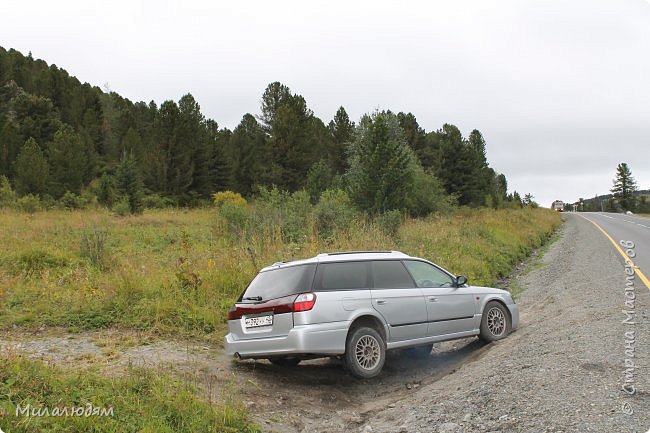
[
  {"x": 174, "y": 273},
  {"x": 142, "y": 400}
]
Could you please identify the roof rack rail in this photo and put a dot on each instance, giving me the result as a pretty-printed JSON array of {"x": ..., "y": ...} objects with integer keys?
[{"x": 340, "y": 253}]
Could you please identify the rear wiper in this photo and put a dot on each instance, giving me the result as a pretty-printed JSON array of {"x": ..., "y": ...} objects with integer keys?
[{"x": 253, "y": 298}]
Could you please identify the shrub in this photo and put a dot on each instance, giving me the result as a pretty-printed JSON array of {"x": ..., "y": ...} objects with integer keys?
[
  {"x": 49, "y": 202},
  {"x": 122, "y": 207},
  {"x": 290, "y": 213},
  {"x": 390, "y": 222},
  {"x": 155, "y": 201},
  {"x": 235, "y": 216},
  {"x": 333, "y": 212},
  {"x": 29, "y": 203},
  {"x": 234, "y": 198},
  {"x": 7, "y": 194},
  {"x": 72, "y": 201},
  {"x": 106, "y": 190},
  {"x": 427, "y": 194},
  {"x": 319, "y": 178},
  {"x": 297, "y": 216}
]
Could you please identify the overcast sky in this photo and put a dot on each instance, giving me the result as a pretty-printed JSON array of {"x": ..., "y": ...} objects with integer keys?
[{"x": 559, "y": 89}]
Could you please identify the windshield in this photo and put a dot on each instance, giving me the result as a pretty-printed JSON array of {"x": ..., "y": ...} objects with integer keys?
[{"x": 279, "y": 282}]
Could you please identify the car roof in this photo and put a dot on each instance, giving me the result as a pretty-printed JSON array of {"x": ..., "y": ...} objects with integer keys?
[{"x": 342, "y": 256}]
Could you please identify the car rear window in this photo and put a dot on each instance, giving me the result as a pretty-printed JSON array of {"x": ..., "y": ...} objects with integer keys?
[
  {"x": 391, "y": 274},
  {"x": 342, "y": 276},
  {"x": 276, "y": 283}
]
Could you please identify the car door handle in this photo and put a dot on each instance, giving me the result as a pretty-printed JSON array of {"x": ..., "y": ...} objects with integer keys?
[
  {"x": 432, "y": 299},
  {"x": 381, "y": 301}
]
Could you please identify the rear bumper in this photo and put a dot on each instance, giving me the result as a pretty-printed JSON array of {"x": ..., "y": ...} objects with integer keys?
[
  {"x": 316, "y": 339},
  {"x": 514, "y": 315}
]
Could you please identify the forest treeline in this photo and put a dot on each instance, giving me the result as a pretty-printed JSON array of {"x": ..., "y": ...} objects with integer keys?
[{"x": 60, "y": 137}]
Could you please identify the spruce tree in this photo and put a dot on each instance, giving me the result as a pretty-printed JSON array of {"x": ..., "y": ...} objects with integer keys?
[
  {"x": 68, "y": 159},
  {"x": 31, "y": 169},
  {"x": 129, "y": 182},
  {"x": 380, "y": 173},
  {"x": 342, "y": 131}
]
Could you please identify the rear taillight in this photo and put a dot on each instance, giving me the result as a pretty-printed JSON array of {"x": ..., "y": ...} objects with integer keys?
[
  {"x": 304, "y": 302},
  {"x": 233, "y": 313}
]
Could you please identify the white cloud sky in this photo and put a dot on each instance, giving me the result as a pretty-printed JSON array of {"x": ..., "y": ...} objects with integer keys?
[{"x": 560, "y": 90}]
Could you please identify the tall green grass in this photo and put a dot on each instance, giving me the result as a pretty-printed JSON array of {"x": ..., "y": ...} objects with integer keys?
[
  {"x": 178, "y": 271},
  {"x": 140, "y": 401}
]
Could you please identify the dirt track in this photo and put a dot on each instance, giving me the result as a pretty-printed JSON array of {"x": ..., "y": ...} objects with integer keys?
[{"x": 560, "y": 372}]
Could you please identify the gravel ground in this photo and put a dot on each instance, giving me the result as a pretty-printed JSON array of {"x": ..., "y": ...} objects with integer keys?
[{"x": 562, "y": 371}]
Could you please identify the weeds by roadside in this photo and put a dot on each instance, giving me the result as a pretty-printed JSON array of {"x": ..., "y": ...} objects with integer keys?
[
  {"x": 142, "y": 400},
  {"x": 178, "y": 271}
]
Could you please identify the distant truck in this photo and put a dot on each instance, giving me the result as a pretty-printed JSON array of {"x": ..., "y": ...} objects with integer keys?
[{"x": 558, "y": 206}]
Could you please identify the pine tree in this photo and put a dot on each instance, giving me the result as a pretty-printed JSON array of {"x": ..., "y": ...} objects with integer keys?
[
  {"x": 219, "y": 164},
  {"x": 10, "y": 144},
  {"x": 624, "y": 187},
  {"x": 68, "y": 161},
  {"x": 129, "y": 182},
  {"x": 275, "y": 96},
  {"x": 294, "y": 143},
  {"x": 381, "y": 164},
  {"x": 413, "y": 133},
  {"x": 342, "y": 131},
  {"x": 31, "y": 169},
  {"x": 246, "y": 151}
]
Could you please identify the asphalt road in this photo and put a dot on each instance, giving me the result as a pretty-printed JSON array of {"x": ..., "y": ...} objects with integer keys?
[{"x": 621, "y": 227}]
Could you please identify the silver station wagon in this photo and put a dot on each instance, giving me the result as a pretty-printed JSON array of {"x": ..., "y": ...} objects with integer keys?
[{"x": 357, "y": 305}]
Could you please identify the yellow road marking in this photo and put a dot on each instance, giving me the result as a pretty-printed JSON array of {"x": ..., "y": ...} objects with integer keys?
[{"x": 637, "y": 271}]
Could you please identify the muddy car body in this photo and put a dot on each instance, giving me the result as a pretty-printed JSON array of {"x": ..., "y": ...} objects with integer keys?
[{"x": 357, "y": 305}]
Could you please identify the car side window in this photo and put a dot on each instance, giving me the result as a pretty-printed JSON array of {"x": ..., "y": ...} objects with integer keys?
[
  {"x": 426, "y": 275},
  {"x": 390, "y": 274},
  {"x": 342, "y": 276}
]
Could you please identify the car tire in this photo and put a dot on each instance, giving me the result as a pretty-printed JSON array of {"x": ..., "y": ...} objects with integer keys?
[
  {"x": 495, "y": 322},
  {"x": 365, "y": 352},
  {"x": 289, "y": 361},
  {"x": 418, "y": 351}
]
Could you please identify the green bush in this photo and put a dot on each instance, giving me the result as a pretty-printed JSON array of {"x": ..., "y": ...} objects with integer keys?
[
  {"x": 236, "y": 217},
  {"x": 297, "y": 217},
  {"x": 290, "y": 213},
  {"x": 7, "y": 194},
  {"x": 155, "y": 201},
  {"x": 72, "y": 201},
  {"x": 332, "y": 213},
  {"x": 29, "y": 203},
  {"x": 122, "y": 207},
  {"x": 319, "y": 178},
  {"x": 390, "y": 222},
  {"x": 48, "y": 202},
  {"x": 427, "y": 195}
]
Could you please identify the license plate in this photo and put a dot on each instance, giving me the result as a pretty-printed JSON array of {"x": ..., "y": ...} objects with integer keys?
[{"x": 254, "y": 322}]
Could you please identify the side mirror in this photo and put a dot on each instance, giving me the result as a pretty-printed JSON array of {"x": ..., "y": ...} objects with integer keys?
[{"x": 461, "y": 280}]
